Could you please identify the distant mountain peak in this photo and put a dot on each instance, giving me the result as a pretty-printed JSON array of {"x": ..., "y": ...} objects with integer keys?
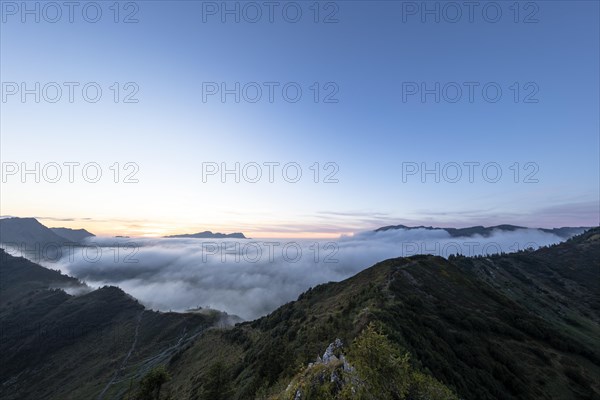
[
  {"x": 564, "y": 232},
  {"x": 26, "y": 230},
  {"x": 31, "y": 232},
  {"x": 75, "y": 235},
  {"x": 210, "y": 235}
]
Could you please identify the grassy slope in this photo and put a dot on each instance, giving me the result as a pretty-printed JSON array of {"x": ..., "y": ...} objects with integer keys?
[
  {"x": 57, "y": 346},
  {"x": 512, "y": 326}
]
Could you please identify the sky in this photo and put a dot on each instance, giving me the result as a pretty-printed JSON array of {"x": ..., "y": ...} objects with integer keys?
[{"x": 137, "y": 118}]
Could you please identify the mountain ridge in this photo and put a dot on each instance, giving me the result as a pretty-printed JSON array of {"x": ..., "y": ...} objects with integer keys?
[
  {"x": 28, "y": 231},
  {"x": 74, "y": 235},
  {"x": 90, "y": 345},
  {"x": 563, "y": 232},
  {"x": 524, "y": 325},
  {"x": 477, "y": 339},
  {"x": 209, "y": 235}
]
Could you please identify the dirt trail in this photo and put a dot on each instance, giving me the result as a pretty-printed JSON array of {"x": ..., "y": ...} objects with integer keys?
[
  {"x": 124, "y": 362},
  {"x": 142, "y": 367}
]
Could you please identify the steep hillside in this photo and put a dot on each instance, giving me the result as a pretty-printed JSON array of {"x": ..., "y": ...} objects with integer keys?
[
  {"x": 510, "y": 326},
  {"x": 518, "y": 326},
  {"x": 19, "y": 276},
  {"x": 92, "y": 345}
]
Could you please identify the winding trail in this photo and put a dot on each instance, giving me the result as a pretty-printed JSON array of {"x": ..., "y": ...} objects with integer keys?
[
  {"x": 142, "y": 367},
  {"x": 124, "y": 362}
]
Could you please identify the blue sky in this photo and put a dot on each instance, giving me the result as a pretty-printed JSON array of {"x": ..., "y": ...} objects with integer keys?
[{"x": 370, "y": 57}]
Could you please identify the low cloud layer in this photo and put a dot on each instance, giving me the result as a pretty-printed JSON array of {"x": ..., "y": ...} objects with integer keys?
[{"x": 251, "y": 278}]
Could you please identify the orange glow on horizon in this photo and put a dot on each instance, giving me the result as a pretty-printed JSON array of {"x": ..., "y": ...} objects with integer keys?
[{"x": 156, "y": 230}]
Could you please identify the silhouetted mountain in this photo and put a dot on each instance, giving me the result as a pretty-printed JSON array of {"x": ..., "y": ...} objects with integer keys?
[
  {"x": 72, "y": 235},
  {"x": 210, "y": 235},
  {"x": 565, "y": 232},
  {"x": 28, "y": 237},
  {"x": 27, "y": 231}
]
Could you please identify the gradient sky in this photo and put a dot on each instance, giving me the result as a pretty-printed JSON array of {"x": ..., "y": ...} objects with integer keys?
[{"x": 369, "y": 133}]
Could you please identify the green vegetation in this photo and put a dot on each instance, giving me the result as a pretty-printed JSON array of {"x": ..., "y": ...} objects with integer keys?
[
  {"x": 58, "y": 346},
  {"x": 376, "y": 370},
  {"x": 514, "y": 326},
  {"x": 151, "y": 384},
  {"x": 383, "y": 369},
  {"x": 218, "y": 383}
]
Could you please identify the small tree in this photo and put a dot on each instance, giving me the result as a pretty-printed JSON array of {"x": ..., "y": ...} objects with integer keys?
[
  {"x": 151, "y": 383},
  {"x": 218, "y": 383},
  {"x": 382, "y": 367},
  {"x": 425, "y": 387},
  {"x": 375, "y": 370}
]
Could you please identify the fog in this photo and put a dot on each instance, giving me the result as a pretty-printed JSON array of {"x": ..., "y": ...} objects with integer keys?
[{"x": 251, "y": 278}]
